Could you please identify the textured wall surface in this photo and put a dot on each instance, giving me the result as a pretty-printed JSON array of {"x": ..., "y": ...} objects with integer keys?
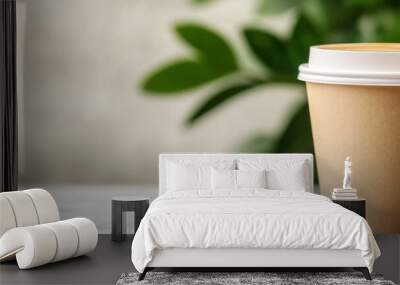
[{"x": 84, "y": 119}]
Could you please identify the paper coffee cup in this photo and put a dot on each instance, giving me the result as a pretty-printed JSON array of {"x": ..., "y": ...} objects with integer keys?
[{"x": 354, "y": 99}]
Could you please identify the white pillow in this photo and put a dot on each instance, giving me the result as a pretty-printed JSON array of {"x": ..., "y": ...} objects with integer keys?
[
  {"x": 182, "y": 177},
  {"x": 188, "y": 174},
  {"x": 251, "y": 178},
  {"x": 223, "y": 179},
  {"x": 281, "y": 174},
  {"x": 237, "y": 179}
]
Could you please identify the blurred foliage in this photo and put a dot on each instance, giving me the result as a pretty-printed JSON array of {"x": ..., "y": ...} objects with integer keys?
[
  {"x": 212, "y": 58},
  {"x": 316, "y": 22},
  {"x": 201, "y": 2}
]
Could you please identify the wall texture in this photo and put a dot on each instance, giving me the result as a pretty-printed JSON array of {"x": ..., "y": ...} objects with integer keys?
[{"x": 84, "y": 118}]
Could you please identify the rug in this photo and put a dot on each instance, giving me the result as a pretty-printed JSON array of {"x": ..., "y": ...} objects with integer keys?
[{"x": 269, "y": 278}]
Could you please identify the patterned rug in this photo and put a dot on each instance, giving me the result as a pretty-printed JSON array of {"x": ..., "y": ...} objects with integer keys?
[{"x": 243, "y": 278}]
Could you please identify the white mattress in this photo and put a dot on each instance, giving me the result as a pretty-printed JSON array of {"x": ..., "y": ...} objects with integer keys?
[{"x": 252, "y": 219}]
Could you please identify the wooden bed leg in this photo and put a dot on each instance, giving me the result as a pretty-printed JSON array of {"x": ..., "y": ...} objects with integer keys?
[
  {"x": 364, "y": 271},
  {"x": 143, "y": 274}
]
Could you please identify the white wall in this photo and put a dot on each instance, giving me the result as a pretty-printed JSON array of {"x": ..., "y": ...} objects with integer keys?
[{"x": 85, "y": 119}]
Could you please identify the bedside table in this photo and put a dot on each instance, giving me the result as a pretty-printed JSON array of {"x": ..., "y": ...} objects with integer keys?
[
  {"x": 357, "y": 206},
  {"x": 121, "y": 204}
]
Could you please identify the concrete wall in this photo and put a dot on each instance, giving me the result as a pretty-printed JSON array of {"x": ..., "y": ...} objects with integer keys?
[{"x": 84, "y": 119}]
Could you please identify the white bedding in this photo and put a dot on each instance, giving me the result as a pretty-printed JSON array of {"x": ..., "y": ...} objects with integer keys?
[{"x": 250, "y": 218}]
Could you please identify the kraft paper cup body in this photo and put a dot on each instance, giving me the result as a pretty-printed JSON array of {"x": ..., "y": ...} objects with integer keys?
[{"x": 353, "y": 92}]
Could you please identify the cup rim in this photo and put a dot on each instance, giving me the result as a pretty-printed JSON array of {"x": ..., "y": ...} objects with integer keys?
[
  {"x": 362, "y": 47},
  {"x": 353, "y": 63}
]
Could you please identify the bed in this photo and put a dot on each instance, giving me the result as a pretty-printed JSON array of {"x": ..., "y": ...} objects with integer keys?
[{"x": 245, "y": 211}]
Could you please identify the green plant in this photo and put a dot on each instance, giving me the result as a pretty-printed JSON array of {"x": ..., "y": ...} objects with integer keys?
[{"x": 213, "y": 59}]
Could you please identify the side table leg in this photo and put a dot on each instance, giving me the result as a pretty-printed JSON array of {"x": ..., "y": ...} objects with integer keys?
[{"x": 116, "y": 221}]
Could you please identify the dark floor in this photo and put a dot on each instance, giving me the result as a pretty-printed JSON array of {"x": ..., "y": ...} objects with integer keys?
[{"x": 110, "y": 260}]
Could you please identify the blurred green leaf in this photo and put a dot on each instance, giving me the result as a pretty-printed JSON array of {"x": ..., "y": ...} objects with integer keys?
[
  {"x": 259, "y": 143},
  {"x": 316, "y": 11},
  {"x": 304, "y": 35},
  {"x": 213, "y": 59},
  {"x": 201, "y": 2},
  {"x": 390, "y": 31},
  {"x": 178, "y": 76},
  {"x": 341, "y": 18},
  {"x": 216, "y": 100},
  {"x": 269, "y": 7},
  {"x": 270, "y": 50},
  {"x": 382, "y": 26},
  {"x": 212, "y": 48},
  {"x": 296, "y": 136},
  {"x": 365, "y": 4}
]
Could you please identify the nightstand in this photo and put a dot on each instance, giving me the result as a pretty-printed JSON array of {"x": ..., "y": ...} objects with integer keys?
[
  {"x": 121, "y": 204},
  {"x": 357, "y": 205}
]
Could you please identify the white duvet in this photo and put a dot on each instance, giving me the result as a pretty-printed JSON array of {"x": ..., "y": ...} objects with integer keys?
[{"x": 251, "y": 218}]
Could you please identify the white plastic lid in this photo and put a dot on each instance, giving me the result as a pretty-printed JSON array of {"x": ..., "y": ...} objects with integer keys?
[{"x": 353, "y": 64}]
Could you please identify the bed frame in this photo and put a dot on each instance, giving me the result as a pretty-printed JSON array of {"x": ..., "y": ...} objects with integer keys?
[{"x": 244, "y": 259}]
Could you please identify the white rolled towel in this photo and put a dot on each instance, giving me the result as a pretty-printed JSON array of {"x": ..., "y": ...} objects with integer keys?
[{"x": 40, "y": 244}]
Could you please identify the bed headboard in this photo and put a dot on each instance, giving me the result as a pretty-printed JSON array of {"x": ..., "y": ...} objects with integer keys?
[{"x": 164, "y": 157}]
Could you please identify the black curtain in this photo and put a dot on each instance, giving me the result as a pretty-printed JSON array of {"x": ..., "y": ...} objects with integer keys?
[{"x": 8, "y": 92}]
